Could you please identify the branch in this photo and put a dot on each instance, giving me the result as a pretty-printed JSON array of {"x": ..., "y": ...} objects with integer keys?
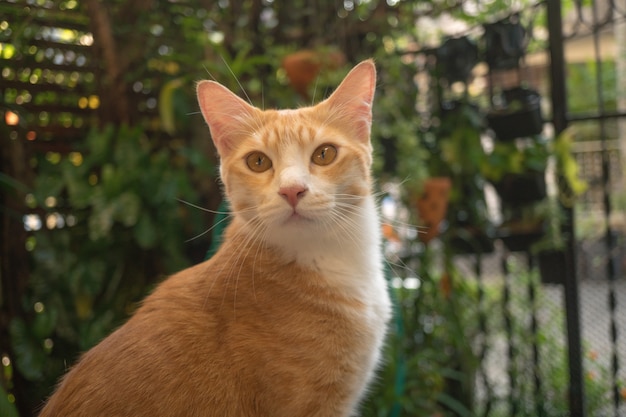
[{"x": 115, "y": 99}]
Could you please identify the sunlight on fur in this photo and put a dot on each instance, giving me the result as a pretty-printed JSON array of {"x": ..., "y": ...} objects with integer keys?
[{"x": 289, "y": 317}]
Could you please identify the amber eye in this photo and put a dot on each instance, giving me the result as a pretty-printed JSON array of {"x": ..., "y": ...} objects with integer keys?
[
  {"x": 258, "y": 162},
  {"x": 324, "y": 155}
]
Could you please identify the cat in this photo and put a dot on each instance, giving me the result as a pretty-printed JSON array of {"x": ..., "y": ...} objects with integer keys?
[{"x": 288, "y": 318}]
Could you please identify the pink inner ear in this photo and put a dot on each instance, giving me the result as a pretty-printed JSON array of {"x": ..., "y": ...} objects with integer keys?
[
  {"x": 225, "y": 113},
  {"x": 353, "y": 99}
]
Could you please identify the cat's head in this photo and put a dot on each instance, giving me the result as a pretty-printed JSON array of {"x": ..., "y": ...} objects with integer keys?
[{"x": 304, "y": 167}]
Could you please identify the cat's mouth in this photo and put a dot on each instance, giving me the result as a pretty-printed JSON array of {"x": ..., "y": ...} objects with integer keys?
[{"x": 297, "y": 217}]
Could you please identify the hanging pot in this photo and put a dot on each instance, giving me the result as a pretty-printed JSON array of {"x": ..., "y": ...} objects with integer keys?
[
  {"x": 519, "y": 236},
  {"x": 432, "y": 206},
  {"x": 456, "y": 58},
  {"x": 552, "y": 266},
  {"x": 303, "y": 67},
  {"x": 517, "y": 116},
  {"x": 470, "y": 240},
  {"x": 505, "y": 43},
  {"x": 521, "y": 189}
]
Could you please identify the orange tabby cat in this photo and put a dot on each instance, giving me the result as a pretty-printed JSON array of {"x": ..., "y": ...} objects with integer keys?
[{"x": 288, "y": 318}]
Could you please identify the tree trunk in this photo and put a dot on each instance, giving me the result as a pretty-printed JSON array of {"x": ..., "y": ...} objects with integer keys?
[{"x": 114, "y": 103}]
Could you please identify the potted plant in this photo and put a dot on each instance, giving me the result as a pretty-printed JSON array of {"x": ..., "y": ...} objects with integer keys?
[
  {"x": 456, "y": 58},
  {"x": 517, "y": 172},
  {"x": 516, "y": 113},
  {"x": 532, "y": 220},
  {"x": 505, "y": 43},
  {"x": 567, "y": 167},
  {"x": 432, "y": 206},
  {"x": 457, "y": 152},
  {"x": 549, "y": 250}
]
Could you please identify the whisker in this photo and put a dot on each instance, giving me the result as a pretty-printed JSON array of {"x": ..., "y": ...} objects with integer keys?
[
  {"x": 400, "y": 265},
  {"x": 250, "y": 235},
  {"x": 209, "y": 72},
  {"x": 214, "y": 211},
  {"x": 317, "y": 79},
  {"x": 201, "y": 208},
  {"x": 397, "y": 222},
  {"x": 243, "y": 90},
  {"x": 208, "y": 230},
  {"x": 349, "y": 209},
  {"x": 252, "y": 238}
]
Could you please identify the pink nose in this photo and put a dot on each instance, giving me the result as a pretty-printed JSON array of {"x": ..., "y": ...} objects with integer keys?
[{"x": 293, "y": 194}]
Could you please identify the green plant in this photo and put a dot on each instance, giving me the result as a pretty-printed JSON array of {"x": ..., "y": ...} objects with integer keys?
[
  {"x": 395, "y": 131},
  {"x": 567, "y": 166},
  {"x": 457, "y": 152},
  {"x": 552, "y": 215},
  {"x": 516, "y": 158},
  {"x": 7, "y": 402},
  {"x": 455, "y": 142},
  {"x": 535, "y": 361},
  {"x": 110, "y": 226},
  {"x": 552, "y": 367},
  {"x": 429, "y": 362}
]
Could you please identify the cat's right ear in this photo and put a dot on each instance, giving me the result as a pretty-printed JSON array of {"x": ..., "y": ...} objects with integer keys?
[{"x": 226, "y": 114}]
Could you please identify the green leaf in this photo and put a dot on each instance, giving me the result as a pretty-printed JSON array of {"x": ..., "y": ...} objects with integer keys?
[
  {"x": 30, "y": 358},
  {"x": 79, "y": 191},
  {"x": 166, "y": 105},
  {"x": 454, "y": 404},
  {"x": 9, "y": 183},
  {"x": 145, "y": 232},
  {"x": 99, "y": 144},
  {"x": 127, "y": 208},
  {"x": 44, "y": 323},
  {"x": 7, "y": 408},
  {"x": 101, "y": 221}
]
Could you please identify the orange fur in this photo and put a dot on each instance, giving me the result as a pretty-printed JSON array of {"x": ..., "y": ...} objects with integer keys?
[{"x": 288, "y": 318}]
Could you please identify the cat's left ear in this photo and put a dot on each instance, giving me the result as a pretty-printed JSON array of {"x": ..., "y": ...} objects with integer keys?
[
  {"x": 352, "y": 100},
  {"x": 226, "y": 114}
]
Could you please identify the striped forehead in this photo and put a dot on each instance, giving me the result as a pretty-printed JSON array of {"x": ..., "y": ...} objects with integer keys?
[{"x": 288, "y": 128}]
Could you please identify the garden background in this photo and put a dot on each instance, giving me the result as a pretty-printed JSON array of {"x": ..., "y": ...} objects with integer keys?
[{"x": 105, "y": 161}]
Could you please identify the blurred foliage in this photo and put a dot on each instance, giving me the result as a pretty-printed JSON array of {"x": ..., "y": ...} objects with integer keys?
[
  {"x": 516, "y": 158},
  {"x": 429, "y": 367},
  {"x": 117, "y": 193},
  {"x": 112, "y": 224},
  {"x": 456, "y": 151},
  {"x": 552, "y": 366},
  {"x": 583, "y": 78}
]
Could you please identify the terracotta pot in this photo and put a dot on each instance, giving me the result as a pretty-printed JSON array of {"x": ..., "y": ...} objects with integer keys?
[
  {"x": 432, "y": 206},
  {"x": 303, "y": 67}
]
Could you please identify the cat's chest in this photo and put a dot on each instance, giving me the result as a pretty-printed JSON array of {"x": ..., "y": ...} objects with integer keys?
[
  {"x": 305, "y": 317},
  {"x": 343, "y": 290}
]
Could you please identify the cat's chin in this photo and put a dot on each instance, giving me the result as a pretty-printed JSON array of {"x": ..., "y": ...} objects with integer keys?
[
  {"x": 301, "y": 216},
  {"x": 297, "y": 223},
  {"x": 296, "y": 218}
]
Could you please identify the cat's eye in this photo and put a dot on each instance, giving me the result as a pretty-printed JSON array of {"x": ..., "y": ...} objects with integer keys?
[
  {"x": 258, "y": 162},
  {"x": 324, "y": 155}
]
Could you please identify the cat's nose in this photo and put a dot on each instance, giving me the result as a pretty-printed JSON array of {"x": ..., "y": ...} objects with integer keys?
[{"x": 293, "y": 194}]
